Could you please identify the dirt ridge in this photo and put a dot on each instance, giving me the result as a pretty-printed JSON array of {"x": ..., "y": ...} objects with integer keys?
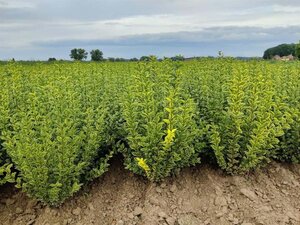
[{"x": 199, "y": 195}]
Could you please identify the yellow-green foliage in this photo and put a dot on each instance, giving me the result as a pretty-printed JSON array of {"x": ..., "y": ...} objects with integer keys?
[
  {"x": 244, "y": 111},
  {"x": 58, "y": 135},
  {"x": 60, "y": 123},
  {"x": 160, "y": 126},
  {"x": 248, "y": 128},
  {"x": 288, "y": 90},
  {"x": 6, "y": 174}
]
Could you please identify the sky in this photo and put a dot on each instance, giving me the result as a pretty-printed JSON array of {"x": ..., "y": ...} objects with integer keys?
[{"x": 40, "y": 29}]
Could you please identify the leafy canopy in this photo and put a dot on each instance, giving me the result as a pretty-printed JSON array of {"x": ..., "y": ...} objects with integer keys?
[{"x": 78, "y": 54}]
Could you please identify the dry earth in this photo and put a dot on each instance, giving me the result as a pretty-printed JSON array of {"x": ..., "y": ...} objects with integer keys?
[{"x": 200, "y": 195}]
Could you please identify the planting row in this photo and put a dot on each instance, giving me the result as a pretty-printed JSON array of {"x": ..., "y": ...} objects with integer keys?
[{"x": 61, "y": 123}]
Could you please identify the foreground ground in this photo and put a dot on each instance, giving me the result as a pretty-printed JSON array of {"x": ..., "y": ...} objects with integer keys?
[{"x": 197, "y": 196}]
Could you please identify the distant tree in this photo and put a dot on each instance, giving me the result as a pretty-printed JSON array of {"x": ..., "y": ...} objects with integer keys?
[
  {"x": 111, "y": 59},
  {"x": 280, "y": 50},
  {"x": 145, "y": 58},
  {"x": 96, "y": 55},
  {"x": 51, "y": 59},
  {"x": 178, "y": 58},
  {"x": 297, "y": 50},
  {"x": 120, "y": 60},
  {"x": 134, "y": 59},
  {"x": 78, "y": 54},
  {"x": 220, "y": 54}
]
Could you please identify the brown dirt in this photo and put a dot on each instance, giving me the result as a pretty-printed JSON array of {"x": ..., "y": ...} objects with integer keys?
[{"x": 200, "y": 195}]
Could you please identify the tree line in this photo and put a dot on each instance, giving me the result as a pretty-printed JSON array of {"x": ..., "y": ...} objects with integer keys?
[
  {"x": 97, "y": 55},
  {"x": 79, "y": 54},
  {"x": 283, "y": 50}
]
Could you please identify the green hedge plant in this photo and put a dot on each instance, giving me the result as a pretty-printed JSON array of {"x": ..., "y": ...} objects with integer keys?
[{"x": 159, "y": 122}]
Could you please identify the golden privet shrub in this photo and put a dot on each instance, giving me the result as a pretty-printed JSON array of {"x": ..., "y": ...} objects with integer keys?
[
  {"x": 6, "y": 166},
  {"x": 159, "y": 122},
  {"x": 57, "y": 130}
]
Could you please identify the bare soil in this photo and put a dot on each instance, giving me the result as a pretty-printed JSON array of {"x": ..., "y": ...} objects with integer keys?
[{"x": 200, "y": 195}]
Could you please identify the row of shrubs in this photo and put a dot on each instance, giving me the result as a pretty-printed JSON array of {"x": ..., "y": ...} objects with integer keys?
[{"x": 61, "y": 123}]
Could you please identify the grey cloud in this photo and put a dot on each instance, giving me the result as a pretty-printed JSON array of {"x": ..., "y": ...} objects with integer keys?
[
  {"x": 234, "y": 41},
  {"x": 207, "y": 35},
  {"x": 39, "y": 28}
]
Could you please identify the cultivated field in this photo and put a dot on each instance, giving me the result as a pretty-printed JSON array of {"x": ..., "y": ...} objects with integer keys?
[{"x": 61, "y": 124}]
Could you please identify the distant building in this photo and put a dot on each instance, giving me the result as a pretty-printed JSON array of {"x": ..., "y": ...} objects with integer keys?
[
  {"x": 284, "y": 58},
  {"x": 277, "y": 57},
  {"x": 290, "y": 57}
]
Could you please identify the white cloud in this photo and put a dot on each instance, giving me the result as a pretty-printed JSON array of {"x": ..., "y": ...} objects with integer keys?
[
  {"x": 25, "y": 22},
  {"x": 286, "y": 9}
]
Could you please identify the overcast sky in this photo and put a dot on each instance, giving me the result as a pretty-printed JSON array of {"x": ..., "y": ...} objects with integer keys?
[{"x": 39, "y": 29}]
